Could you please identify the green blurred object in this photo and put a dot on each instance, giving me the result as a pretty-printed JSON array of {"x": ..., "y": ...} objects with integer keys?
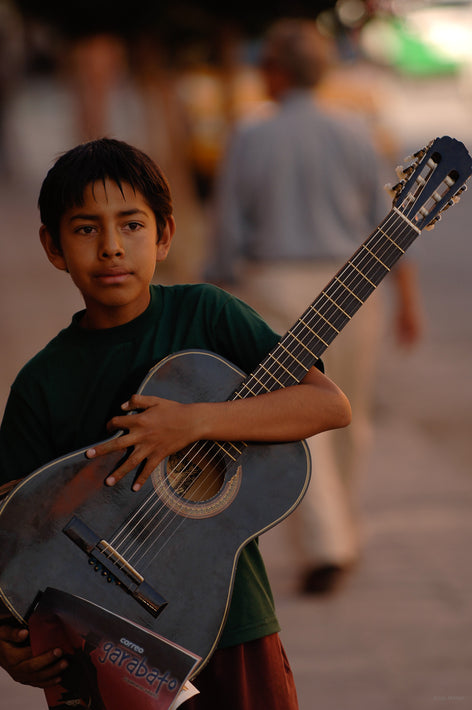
[{"x": 413, "y": 56}]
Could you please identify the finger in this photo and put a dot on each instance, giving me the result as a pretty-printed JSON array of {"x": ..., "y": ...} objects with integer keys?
[
  {"x": 140, "y": 401},
  {"x": 121, "y": 442},
  {"x": 42, "y": 671},
  {"x": 132, "y": 462},
  {"x": 144, "y": 475},
  {"x": 118, "y": 423},
  {"x": 13, "y": 634}
]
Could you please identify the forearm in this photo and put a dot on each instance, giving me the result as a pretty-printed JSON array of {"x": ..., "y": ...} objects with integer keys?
[
  {"x": 284, "y": 415},
  {"x": 159, "y": 427}
]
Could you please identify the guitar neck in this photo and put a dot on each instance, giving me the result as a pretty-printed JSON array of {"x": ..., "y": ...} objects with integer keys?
[{"x": 302, "y": 345}]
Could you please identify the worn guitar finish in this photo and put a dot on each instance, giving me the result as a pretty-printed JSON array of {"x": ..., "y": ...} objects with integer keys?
[
  {"x": 184, "y": 550},
  {"x": 165, "y": 557}
]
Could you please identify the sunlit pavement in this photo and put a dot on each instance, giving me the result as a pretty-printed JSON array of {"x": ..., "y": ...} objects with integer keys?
[{"x": 397, "y": 635}]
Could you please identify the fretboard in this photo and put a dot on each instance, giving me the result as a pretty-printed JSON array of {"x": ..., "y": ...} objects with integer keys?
[{"x": 302, "y": 345}]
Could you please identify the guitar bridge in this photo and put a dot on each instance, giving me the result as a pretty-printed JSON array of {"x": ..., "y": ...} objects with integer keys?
[{"x": 114, "y": 566}]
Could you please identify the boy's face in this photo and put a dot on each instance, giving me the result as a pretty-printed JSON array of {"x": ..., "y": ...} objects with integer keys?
[{"x": 110, "y": 247}]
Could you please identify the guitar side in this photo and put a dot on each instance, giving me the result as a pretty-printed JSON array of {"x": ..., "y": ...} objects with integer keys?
[{"x": 190, "y": 565}]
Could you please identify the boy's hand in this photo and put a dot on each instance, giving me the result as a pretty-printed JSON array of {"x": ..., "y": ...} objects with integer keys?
[
  {"x": 17, "y": 659},
  {"x": 155, "y": 428}
]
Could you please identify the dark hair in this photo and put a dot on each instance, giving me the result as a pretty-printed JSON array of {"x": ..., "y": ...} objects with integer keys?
[
  {"x": 298, "y": 48},
  {"x": 64, "y": 185}
]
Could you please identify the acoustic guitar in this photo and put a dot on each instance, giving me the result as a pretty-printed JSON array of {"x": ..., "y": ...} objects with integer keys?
[{"x": 165, "y": 557}]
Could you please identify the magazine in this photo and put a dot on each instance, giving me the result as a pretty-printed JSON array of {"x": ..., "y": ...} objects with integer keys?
[{"x": 114, "y": 664}]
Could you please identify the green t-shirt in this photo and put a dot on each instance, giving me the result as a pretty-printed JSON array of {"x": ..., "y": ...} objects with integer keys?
[{"x": 62, "y": 399}]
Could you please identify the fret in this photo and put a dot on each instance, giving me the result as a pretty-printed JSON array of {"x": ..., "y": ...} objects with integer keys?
[
  {"x": 222, "y": 445},
  {"x": 336, "y": 304},
  {"x": 348, "y": 289},
  {"x": 279, "y": 364},
  {"x": 222, "y": 448},
  {"x": 314, "y": 331},
  {"x": 271, "y": 374},
  {"x": 364, "y": 246},
  {"x": 362, "y": 274},
  {"x": 293, "y": 356},
  {"x": 249, "y": 387},
  {"x": 318, "y": 313},
  {"x": 300, "y": 342},
  {"x": 391, "y": 240}
]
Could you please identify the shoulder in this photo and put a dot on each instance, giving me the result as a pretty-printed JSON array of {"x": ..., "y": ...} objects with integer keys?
[
  {"x": 48, "y": 359},
  {"x": 229, "y": 326},
  {"x": 202, "y": 295},
  {"x": 205, "y": 301}
]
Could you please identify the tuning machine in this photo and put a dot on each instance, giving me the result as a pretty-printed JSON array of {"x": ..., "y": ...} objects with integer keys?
[
  {"x": 394, "y": 190},
  {"x": 404, "y": 173},
  {"x": 432, "y": 224},
  {"x": 416, "y": 157}
]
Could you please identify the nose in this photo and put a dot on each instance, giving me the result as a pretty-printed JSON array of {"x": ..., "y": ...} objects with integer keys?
[{"x": 111, "y": 244}]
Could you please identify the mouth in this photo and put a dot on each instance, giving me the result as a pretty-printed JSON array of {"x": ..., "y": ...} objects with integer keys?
[{"x": 112, "y": 277}]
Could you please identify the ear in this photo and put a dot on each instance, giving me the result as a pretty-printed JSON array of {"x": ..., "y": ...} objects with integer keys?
[
  {"x": 52, "y": 252},
  {"x": 163, "y": 245}
]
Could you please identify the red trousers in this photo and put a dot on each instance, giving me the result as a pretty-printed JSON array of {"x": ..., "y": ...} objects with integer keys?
[{"x": 252, "y": 676}]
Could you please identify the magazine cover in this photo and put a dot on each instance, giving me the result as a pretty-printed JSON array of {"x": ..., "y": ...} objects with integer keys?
[{"x": 114, "y": 664}]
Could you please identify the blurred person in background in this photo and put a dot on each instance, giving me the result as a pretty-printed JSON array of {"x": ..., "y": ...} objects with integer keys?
[
  {"x": 11, "y": 67},
  {"x": 90, "y": 51},
  {"x": 297, "y": 192}
]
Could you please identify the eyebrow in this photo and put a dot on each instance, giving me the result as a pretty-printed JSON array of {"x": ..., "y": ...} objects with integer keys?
[{"x": 122, "y": 213}]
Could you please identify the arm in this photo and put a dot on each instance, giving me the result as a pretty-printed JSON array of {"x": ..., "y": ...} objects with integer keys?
[
  {"x": 162, "y": 427},
  {"x": 408, "y": 318}
]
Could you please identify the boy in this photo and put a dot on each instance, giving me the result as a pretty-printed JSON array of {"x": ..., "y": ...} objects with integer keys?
[{"x": 107, "y": 220}]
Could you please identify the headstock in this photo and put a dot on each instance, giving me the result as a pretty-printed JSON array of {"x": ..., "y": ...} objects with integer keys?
[{"x": 433, "y": 182}]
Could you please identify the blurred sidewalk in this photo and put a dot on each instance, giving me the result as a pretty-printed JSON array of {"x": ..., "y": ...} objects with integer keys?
[{"x": 397, "y": 635}]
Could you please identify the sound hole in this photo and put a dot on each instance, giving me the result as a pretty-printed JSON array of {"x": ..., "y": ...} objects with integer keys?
[{"x": 196, "y": 475}]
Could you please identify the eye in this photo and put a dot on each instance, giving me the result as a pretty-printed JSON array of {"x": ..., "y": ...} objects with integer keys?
[
  {"x": 134, "y": 226},
  {"x": 86, "y": 229}
]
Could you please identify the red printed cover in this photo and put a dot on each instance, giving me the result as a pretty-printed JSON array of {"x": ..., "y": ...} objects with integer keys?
[{"x": 114, "y": 664}]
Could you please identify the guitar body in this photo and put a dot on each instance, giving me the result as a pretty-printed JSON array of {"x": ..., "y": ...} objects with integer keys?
[{"x": 173, "y": 554}]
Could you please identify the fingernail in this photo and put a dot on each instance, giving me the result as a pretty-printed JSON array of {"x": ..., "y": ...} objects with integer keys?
[
  {"x": 23, "y": 633},
  {"x": 110, "y": 481},
  {"x": 57, "y": 652},
  {"x": 125, "y": 405},
  {"x": 90, "y": 453},
  {"x": 136, "y": 486}
]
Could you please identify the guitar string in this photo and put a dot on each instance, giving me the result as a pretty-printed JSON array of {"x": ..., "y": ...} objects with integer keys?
[
  {"x": 373, "y": 273},
  {"x": 352, "y": 284},
  {"x": 364, "y": 276},
  {"x": 344, "y": 282},
  {"x": 391, "y": 248}
]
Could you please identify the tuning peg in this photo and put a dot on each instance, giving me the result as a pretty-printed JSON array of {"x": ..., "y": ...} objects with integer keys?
[
  {"x": 451, "y": 202},
  {"x": 431, "y": 225},
  {"x": 400, "y": 172},
  {"x": 416, "y": 157},
  {"x": 393, "y": 190},
  {"x": 388, "y": 187}
]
